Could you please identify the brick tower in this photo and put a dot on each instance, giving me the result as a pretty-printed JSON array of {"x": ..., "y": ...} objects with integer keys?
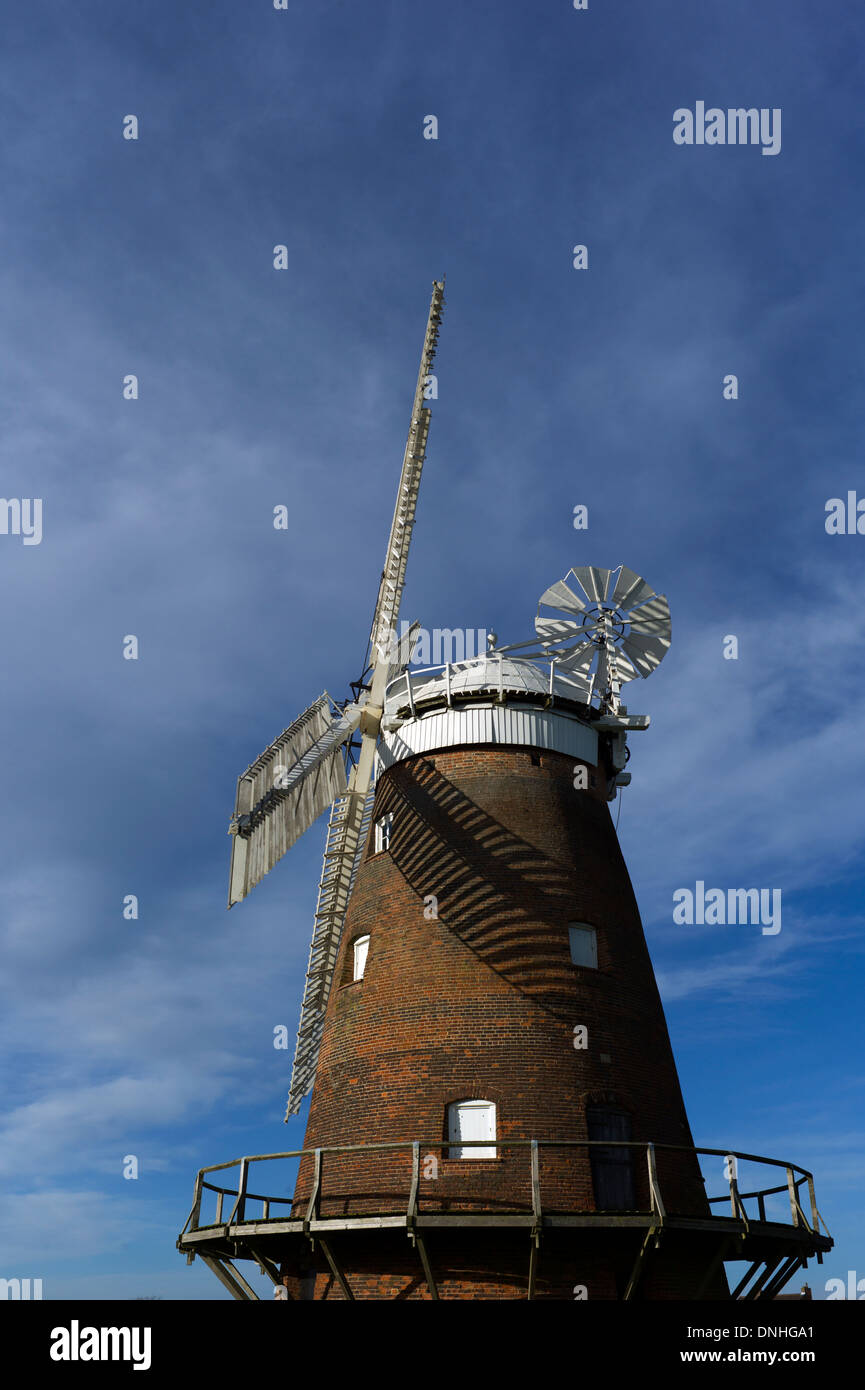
[
  {"x": 495, "y": 1109},
  {"x": 493, "y": 978}
]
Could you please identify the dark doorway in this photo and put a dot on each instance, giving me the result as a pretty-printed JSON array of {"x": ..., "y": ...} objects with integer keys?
[{"x": 612, "y": 1169}]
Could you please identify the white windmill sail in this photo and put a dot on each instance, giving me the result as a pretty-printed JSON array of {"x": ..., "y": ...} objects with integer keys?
[
  {"x": 349, "y": 828},
  {"x": 303, "y": 771},
  {"x": 285, "y": 790},
  {"x": 387, "y": 606}
]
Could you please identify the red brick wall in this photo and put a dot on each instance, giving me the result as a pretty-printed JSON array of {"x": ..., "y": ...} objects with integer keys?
[
  {"x": 482, "y": 1002},
  {"x": 495, "y": 1265}
]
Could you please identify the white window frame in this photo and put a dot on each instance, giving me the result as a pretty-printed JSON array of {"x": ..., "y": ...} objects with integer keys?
[
  {"x": 462, "y": 1108},
  {"x": 360, "y": 951},
  {"x": 586, "y": 936},
  {"x": 383, "y": 829}
]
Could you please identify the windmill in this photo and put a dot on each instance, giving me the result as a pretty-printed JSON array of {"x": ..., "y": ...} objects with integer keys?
[
  {"x": 493, "y": 1072},
  {"x": 309, "y": 766}
]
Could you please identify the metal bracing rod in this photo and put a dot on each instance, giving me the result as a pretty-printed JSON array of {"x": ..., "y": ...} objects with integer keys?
[
  {"x": 267, "y": 1267},
  {"x": 335, "y": 1270},
  {"x": 411, "y": 1211},
  {"x": 780, "y": 1279},
  {"x": 231, "y": 1278},
  {"x": 654, "y": 1186},
  {"x": 794, "y": 1205},
  {"x": 537, "y": 1219},
  {"x": 194, "y": 1216},
  {"x": 746, "y": 1278},
  {"x": 410, "y": 1218},
  {"x": 420, "y": 1245},
  {"x": 815, "y": 1215},
  {"x": 771, "y": 1266},
  {"x": 537, "y": 1212},
  {"x": 649, "y": 1240},
  {"x": 736, "y": 1204},
  {"x": 312, "y": 1208},
  {"x": 533, "y": 1270}
]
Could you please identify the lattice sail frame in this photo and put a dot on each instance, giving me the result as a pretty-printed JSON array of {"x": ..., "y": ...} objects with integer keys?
[{"x": 346, "y": 839}]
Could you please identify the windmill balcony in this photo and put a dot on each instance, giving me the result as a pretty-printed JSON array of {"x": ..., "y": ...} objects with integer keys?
[
  {"x": 490, "y": 677},
  {"x": 773, "y": 1228}
]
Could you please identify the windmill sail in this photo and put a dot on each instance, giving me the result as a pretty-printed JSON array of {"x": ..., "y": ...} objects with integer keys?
[
  {"x": 302, "y": 772},
  {"x": 396, "y": 557},
  {"x": 347, "y": 833},
  {"x": 349, "y": 823},
  {"x": 403, "y": 652},
  {"x": 285, "y": 790}
]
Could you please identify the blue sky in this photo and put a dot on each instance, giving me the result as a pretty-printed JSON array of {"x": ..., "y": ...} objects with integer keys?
[{"x": 556, "y": 387}]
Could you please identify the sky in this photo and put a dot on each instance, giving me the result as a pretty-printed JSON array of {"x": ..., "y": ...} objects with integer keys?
[{"x": 558, "y": 387}]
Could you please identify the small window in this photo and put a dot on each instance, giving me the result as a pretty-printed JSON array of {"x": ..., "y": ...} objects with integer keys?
[
  {"x": 471, "y": 1119},
  {"x": 584, "y": 944},
  {"x": 383, "y": 828},
  {"x": 361, "y": 950}
]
